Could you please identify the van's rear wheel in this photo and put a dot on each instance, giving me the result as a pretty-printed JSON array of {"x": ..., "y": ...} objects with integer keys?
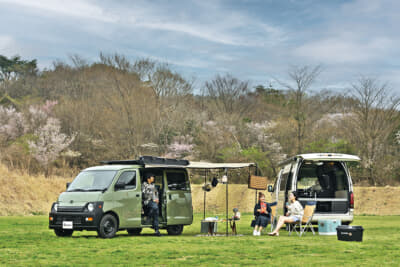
[
  {"x": 63, "y": 232},
  {"x": 175, "y": 229},
  {"x": 108, "y": 226},
  {"x": 134, "y": 231}
]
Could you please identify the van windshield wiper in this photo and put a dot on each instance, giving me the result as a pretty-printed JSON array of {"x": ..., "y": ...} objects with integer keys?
[
  {"x": 96, "y": 189},
  {"x": 77, "y": 190}
]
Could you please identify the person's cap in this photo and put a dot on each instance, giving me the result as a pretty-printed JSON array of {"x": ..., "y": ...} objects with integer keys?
[{"x": 148, "y": 175}]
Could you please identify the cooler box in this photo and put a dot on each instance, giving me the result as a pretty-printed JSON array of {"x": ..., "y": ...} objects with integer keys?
[
  {"x": 350, "y": 233},
  {"x": 328, "y": 227}
]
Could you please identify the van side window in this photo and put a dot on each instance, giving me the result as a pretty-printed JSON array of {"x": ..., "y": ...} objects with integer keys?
[
  {"x": 127, "y": 179},
  {"x": 177, "y": 181}
]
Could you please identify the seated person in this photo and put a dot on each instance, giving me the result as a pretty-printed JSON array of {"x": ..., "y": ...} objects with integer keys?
[
  {"x": 262, "y": 212},
  {"x": 294, "y": 214},
  {"x": 150, "y": 200}
]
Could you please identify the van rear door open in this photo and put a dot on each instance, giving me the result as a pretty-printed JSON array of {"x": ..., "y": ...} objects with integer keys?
[{"x": 329, "y": 157}]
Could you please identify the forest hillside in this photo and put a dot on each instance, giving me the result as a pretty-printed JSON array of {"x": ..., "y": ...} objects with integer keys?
[{"x": 59, "y": 120}]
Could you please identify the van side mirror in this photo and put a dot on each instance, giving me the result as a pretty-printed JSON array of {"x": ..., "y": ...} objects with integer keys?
[
  {"x": 270, "y": 188},
  {"x": 67, "y": 185},
  {"x": 119, "y": 187}
]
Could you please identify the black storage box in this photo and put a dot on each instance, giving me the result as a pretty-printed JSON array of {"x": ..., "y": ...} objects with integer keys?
[{"x": 349, "y": 233}]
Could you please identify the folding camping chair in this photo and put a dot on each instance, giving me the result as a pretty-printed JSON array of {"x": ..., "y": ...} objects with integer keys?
[
  {"x": 306, "y": 220},
  {"x": 273, "y": 207}
]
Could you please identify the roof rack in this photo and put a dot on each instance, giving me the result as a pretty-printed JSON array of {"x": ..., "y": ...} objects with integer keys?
[
  {"x": 149, "y": 160},
  {"x": 122, "y": 162}
]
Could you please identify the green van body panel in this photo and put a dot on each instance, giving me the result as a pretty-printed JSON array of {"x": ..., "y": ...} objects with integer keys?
[
  {"x": 127, "y": 203},
  {"x": 179, "y": 203},
  {"x": 78, "y": 198}
]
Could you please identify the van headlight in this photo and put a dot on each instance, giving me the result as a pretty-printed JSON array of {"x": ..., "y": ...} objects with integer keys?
[
  {"x": 55, "y": 207},
  {"x": 90, "y": 207}
]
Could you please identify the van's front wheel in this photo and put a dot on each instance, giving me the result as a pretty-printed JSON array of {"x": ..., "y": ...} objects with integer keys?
[
  {"x": 63, "y": 232},
  {"x": 175, "y": 229},
  {"x": 108, "y": 226}
]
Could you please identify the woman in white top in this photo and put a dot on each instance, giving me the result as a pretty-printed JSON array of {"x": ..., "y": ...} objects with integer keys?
[{"x": 294, "y": 214}]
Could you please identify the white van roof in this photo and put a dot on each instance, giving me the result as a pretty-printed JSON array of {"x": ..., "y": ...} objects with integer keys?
[
  {"x": 329, "y": 157},
  {"x": 322, "y": 157}
]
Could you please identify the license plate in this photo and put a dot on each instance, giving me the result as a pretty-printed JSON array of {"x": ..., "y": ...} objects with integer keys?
[{"x": 67, "y": 225}]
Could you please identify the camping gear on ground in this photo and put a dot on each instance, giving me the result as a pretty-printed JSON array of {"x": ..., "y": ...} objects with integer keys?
[
  {"x": 257, "y": 182},
  {"x": 232, "y": 221},
  {"x": 350, "y": 233},
  {"x": 209, "y": 225},
  {"x": 328, "y": 227},
  {"x": 207, "y": 166}
]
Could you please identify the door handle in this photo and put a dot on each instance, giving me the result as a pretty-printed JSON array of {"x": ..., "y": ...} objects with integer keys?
[
  {"x": 137, "y": 195},
  {"x": 169, "y": 197}
]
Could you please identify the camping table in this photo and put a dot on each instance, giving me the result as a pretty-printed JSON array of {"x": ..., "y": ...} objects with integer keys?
[{"x": 210, "y": 225}]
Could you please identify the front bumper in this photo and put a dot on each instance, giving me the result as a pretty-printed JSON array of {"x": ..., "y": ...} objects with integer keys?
[{"x": 81, "y": 219}]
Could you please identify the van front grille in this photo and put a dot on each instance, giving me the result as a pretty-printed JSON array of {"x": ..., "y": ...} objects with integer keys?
[
  {"x": 74, "y": 219},
  {"x": 69, "y": 209}
]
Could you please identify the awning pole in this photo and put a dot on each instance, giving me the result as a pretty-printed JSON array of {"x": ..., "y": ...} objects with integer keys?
[
  {"x": 227, "y": 181},
  {"x": 204, "y": 202}
]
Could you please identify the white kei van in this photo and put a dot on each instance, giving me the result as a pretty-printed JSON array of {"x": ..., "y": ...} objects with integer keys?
[{"x": 321, "y": 177}]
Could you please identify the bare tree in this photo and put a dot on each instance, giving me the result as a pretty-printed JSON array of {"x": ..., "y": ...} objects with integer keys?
[
  {"x": 301, "y": 80},
  {"x": 374, "y": 119},
  {"x": 228, "y": 94}
]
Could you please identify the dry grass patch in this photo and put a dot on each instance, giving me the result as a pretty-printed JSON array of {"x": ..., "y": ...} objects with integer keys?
[{"x": 22, "y": 194}]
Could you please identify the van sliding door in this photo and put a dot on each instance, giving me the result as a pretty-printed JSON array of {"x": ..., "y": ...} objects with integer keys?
[{"x": 179, "y": 198}]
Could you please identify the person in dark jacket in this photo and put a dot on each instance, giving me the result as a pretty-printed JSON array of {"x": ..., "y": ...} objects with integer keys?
[
  {"x": 262, "y": 212},
  {"x": 150, "y": 200}
]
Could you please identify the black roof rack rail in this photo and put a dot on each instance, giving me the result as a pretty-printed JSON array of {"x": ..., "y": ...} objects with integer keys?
[
  {"x": 149, "y": 160},
  {"x": 122, "y": 162},
  {"x": 163, "y": 161}
]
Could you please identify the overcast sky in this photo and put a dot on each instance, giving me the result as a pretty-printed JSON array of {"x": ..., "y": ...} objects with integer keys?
[{"x": 255, "y": 40}]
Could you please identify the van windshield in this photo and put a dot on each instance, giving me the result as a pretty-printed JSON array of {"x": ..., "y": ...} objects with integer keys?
[{"x": 92, "y": 181}]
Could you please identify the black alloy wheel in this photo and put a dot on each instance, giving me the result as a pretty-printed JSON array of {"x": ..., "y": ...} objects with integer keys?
[
  {"x": 108, "y": 226},
  {"x": 175, "y": 229}
]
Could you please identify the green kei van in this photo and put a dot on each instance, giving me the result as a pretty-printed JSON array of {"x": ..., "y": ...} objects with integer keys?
[{"x": 108, "y": 198}]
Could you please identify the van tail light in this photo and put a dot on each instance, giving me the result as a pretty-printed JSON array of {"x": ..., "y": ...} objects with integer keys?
[{"x": 351, "y": 200}]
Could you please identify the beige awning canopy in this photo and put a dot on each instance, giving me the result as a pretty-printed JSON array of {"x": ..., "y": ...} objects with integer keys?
[
  {"x": 203, "y": 165},
  {"x": 209, "y": 165}
]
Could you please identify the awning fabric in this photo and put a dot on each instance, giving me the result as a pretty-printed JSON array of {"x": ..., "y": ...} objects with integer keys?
[
  {"x": 208, "y": 165},
  {"x": 204, "y": 165}
]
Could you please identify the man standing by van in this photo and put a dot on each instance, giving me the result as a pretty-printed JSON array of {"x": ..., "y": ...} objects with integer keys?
[{"x": 150, "y": 200}]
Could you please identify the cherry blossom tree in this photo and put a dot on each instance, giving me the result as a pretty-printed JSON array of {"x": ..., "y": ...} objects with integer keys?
[{"x": 50, "y": 143}]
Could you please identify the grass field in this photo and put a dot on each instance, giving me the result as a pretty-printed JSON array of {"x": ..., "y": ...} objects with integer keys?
[{"x": 28, "y": 241}]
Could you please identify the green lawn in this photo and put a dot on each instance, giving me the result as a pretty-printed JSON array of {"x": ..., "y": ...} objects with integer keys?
[{"x": 28, "y": 241}]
